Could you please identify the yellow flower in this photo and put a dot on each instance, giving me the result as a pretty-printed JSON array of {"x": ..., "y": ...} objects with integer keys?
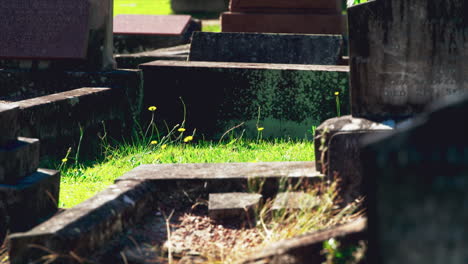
[
  {"x": 260, "y": 128},
  {"x": 337, "y": 93},
  {"x": 181, "y": 129},
  {"x": 188, "y": 138},
  {"x": 154, "y": 142},
  {"x": 64, "y": 160},
  {"x": 164, "y": 146},
  {"x": 152, "y": 108}
]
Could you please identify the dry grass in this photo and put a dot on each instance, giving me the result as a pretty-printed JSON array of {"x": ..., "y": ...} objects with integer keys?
[{"x": 223, "y": 244}]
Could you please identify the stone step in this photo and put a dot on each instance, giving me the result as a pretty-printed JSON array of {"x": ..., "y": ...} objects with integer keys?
[
  {"x": 8, "y": 123},
  {"x": 283, "y": 23},
  {"x": 236, "y": 205},
  {"x": 266, "y": 48},
  {"x": 32, "y": 200},
  {"x": 221, "y": 95},
  {"x": 18, "y": 159}
]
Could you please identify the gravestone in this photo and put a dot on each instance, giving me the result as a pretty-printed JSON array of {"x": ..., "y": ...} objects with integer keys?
[
  {"x": 405, "y": 54},
  {"x": 55, "y": 34},
  {"x": 266, "y": 48},
  {"x": 416, "y": 181},
  {"x": 281, "y": 16},
  {"x": 138, "y": 33}
]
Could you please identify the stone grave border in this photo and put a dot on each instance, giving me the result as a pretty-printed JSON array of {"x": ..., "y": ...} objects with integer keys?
[{"x": 89, "y": 225}]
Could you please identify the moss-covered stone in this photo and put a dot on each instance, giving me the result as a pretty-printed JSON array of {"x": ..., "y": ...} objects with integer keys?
[{"x": 288, "y": 98}]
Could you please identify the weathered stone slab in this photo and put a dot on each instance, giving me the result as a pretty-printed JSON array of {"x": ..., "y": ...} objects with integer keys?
[
  {"x": 201, "y": 6},
  {"x": 131, "y": 61},
  {"x": 303, "y": 6},
  {"x": 87, "y": 226},
  {"x": 18, "y": 159},
  {"x": 32, "y": 200},
  {"x": 240, "y": 206},
  {"x": 309, "y": 248},
  {"x": 291, "y": 97},
  {"x": 8, "y": 123},
  {"x": 56, "y": 34},
  {"x": 283, "y": 23},
  {"x": 43, "y": 117},
  {"x": 224, "y": 171},
  {"x": 337, "y": 151},
  {"x": 150, "y": 24},
  {"x": 416, "y": 181},
  {"x": 405, "y": 54},
  {"x": 17, "y": 85},
  {"x": 138, "y": 33},
  {"x": 266, "y": 48},
  {"x": 295, "y": 200}
]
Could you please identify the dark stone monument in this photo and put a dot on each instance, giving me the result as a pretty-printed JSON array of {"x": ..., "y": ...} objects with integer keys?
[
  {"x": 55, "y": 34},
  {"x": 405, "y": 54},
  {"x": 416, "y": 181},
  {"x": 138, "y": 33},
  {"x": 266, "y": 48}
]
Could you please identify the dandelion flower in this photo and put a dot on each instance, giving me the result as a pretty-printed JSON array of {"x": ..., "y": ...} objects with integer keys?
[
  {"x": 152, "y": 108},
  {"x": 188, "y": 138},
  {"x": 260, "y": 128},
  {"x": 181, "y": 129},
  {"x": 164, "y": 146},
  {"x": 64, "y": 160},
  {"x": 337, "y": 93},
  {"x": 154, "y": 142}
]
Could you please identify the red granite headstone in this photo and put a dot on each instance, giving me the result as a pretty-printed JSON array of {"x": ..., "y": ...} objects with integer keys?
[
  {"x": 283, "y": 23},
  {"x": 52, "y": 29},
  {"x": 150, "y": 24},
  {"x": 284, "y": 16}
]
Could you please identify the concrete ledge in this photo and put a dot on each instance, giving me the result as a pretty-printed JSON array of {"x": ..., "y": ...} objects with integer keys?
[
  {"x": 292, "y": 97},
  {"x": 43, "y": 117},
  {"x": 18, "y": 159},
  {"x": 32, "y": 200},
  {"x": 19, "y": 85},
  {"x": 86, "y": 226}
]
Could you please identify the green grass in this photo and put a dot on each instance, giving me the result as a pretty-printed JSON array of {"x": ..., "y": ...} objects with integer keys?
[
  {"x": 142, "y": 7},
  {"x": 83, "y": 180},
  {"x": 158, "y": 7}
]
